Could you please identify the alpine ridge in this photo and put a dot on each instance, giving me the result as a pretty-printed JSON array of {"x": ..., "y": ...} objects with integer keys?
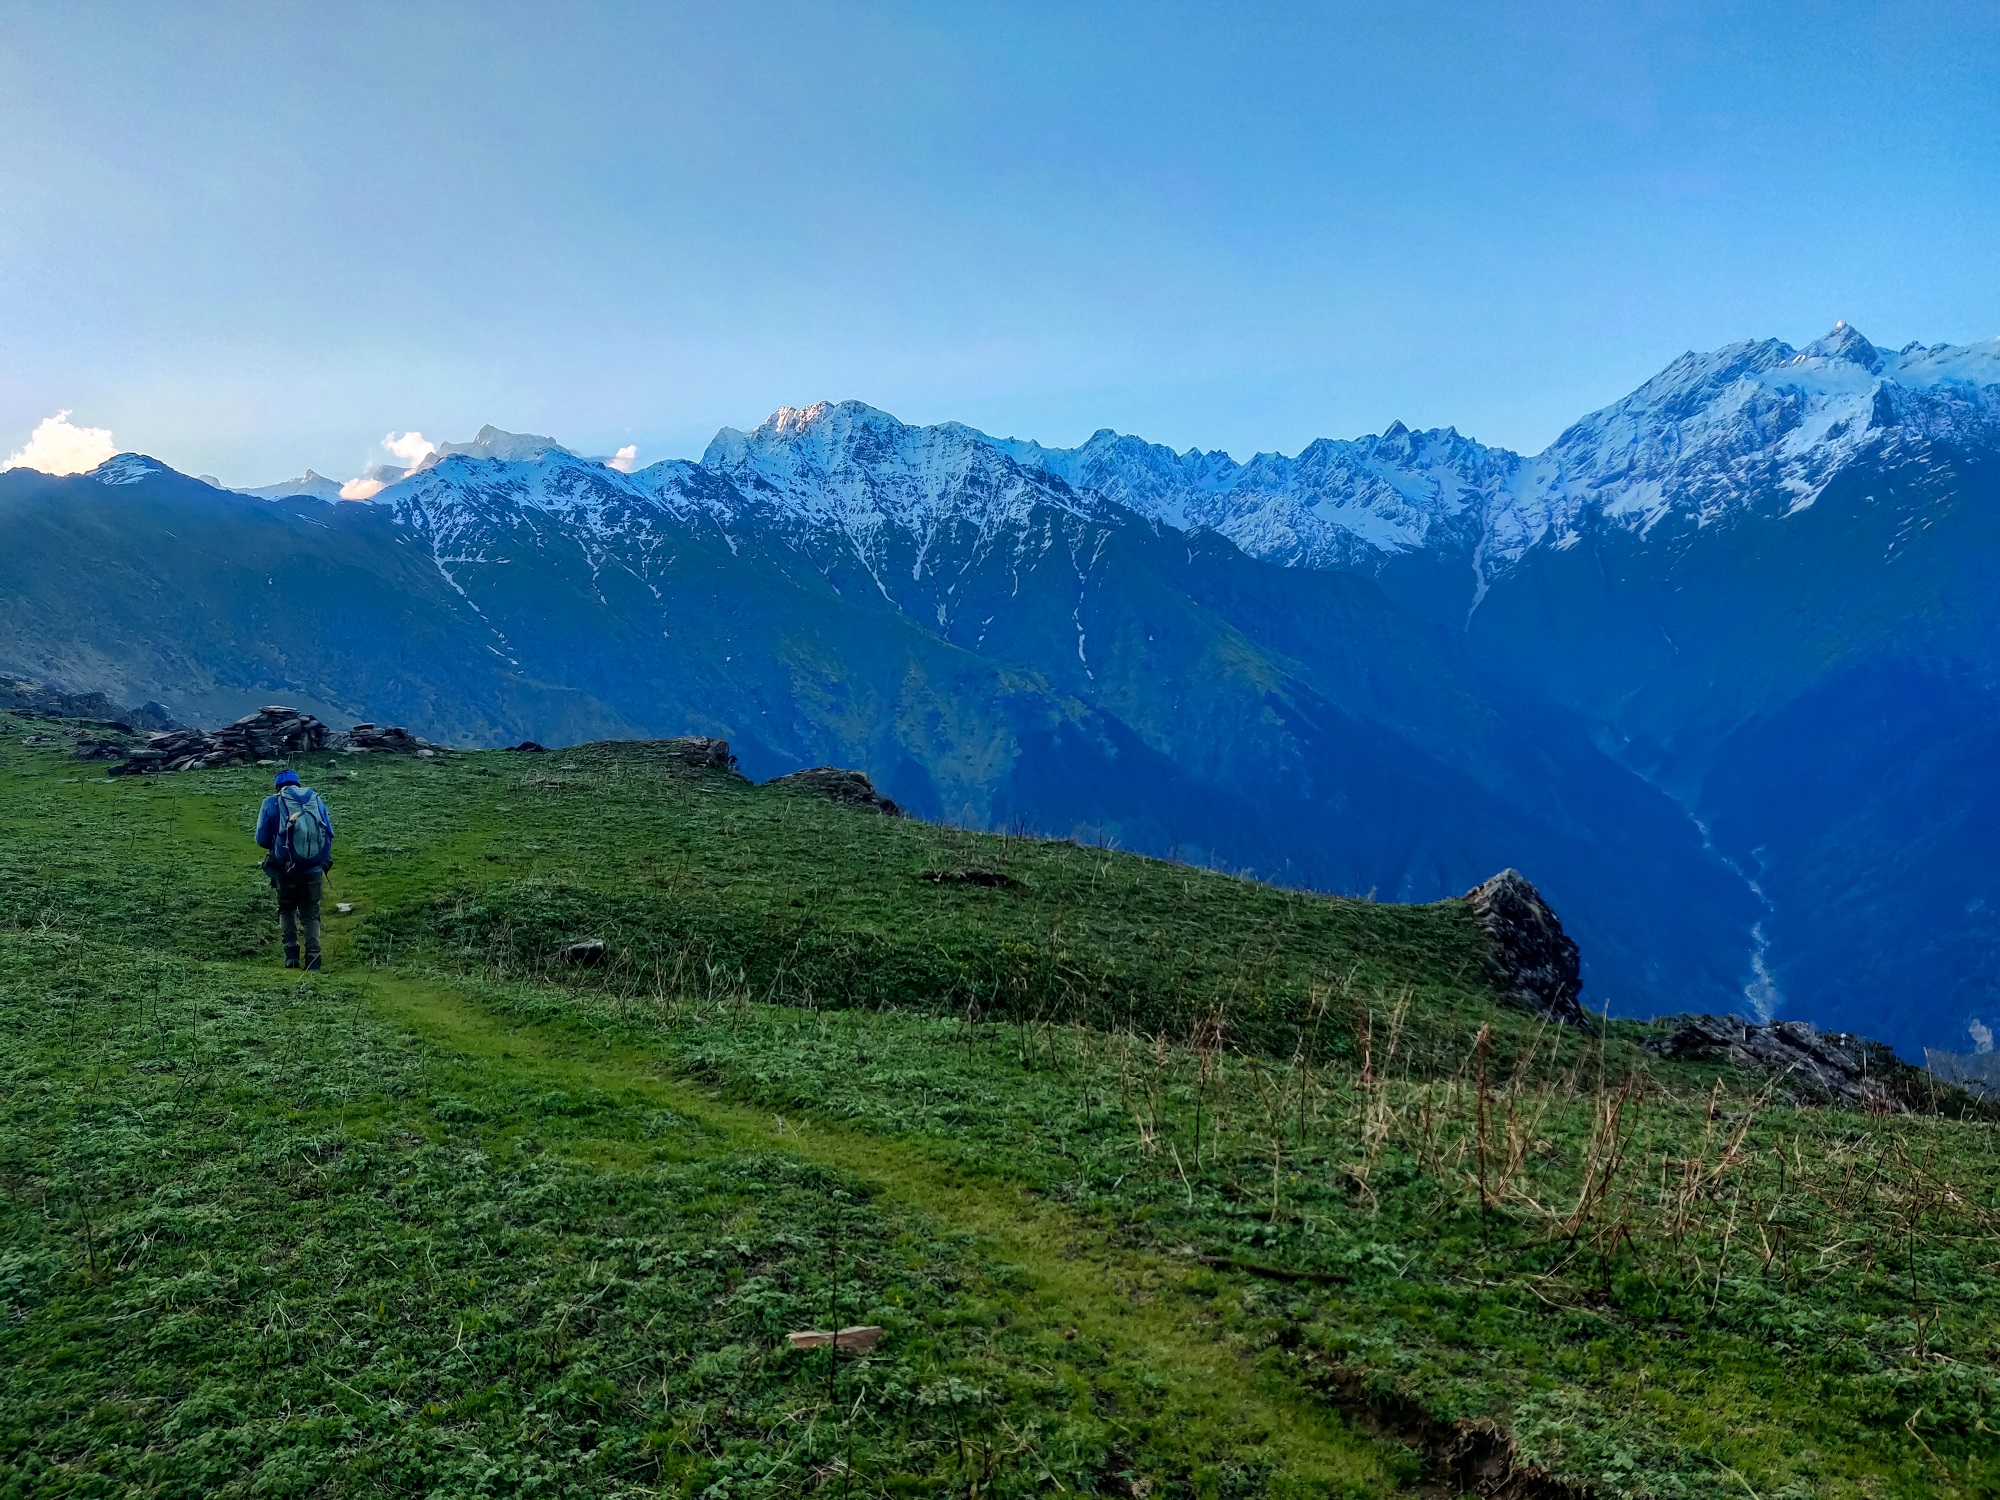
[{"x": 1718, "y": 669}]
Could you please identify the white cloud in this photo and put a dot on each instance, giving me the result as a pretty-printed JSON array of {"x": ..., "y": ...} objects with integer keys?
[
  {"x": 412, "y": 447},
  {"x": 626, "y": 459},
  {"x": 1982, "y": 1035},
  {"x": 57, "y": 447}
]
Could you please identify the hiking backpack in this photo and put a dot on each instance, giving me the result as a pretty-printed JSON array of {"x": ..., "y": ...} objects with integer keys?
[{"x": 305, "y": 838}]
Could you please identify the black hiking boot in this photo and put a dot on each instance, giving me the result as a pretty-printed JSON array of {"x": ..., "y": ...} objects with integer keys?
[
  {"x": 291, "y": 955},
  {"x": 312, "y": 962}
]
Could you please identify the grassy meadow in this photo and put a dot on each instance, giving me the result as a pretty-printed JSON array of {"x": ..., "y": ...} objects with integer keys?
[{"x": 1160, "y": 1183}]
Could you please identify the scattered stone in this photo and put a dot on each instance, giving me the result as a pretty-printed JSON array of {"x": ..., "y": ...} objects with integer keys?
[
  {"x": 343, "y": 907},
  {"x": 859, "y": 1337},
  {"x": 89, "y": 748},
  {"x": 1534, "y": 960},
  {"x": 273, "y": 733},
  {"x": 587, "y": 954},
  {"x": 833, "y": 782},
  {"x": 1826, "y": 1066}
]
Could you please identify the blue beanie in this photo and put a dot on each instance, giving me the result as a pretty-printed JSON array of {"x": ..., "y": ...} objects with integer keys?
[{"x": 287, "y": 778}]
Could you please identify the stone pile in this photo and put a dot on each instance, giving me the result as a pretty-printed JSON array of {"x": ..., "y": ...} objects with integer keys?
[
  {"x": 840, "y": 785},
  {"x": 271, "y": 733}
]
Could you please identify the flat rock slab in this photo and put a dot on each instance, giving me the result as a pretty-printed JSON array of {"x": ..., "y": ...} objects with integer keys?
[{"x": 866, "y": 1337}]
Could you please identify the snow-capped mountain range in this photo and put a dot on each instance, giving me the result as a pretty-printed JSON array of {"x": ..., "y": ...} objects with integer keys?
[
  {"x": 1704, "y": 436},
  {"x": 1720, "y": 667},
  {"x": 1708, "y": 435}
]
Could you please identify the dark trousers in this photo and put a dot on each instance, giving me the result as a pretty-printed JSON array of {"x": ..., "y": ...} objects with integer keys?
[{"x": 298, "y": 909}]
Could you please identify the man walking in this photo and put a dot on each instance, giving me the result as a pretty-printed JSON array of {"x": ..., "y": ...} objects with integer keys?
[{"x": 297, "y": 835}]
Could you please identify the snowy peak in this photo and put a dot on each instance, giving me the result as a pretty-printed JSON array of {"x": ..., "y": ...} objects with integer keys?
[
  {"x": 1847, "y": 344},
  {"x": 513, "y": 447},
  {"x": 1713, "y": 433},
  {"x": 316, "y": 485},
  {"x": 128, "y": 468},
  {"x": 857, "y": 470}
]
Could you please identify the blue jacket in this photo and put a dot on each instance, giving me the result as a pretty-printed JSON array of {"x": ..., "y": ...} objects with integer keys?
[{"x": 268, "y": 826}]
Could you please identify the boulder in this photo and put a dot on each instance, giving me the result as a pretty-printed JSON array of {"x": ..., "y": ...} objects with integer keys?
[
  {"x": 840, "y": 785},
  {"x": 587, "y": 954},
  {"x": 529, "y": 747},
  {"x": 1827, "y": 1066},
  {"x": 1528, "y": 954},
  {"x": 861, "y": 1336}
]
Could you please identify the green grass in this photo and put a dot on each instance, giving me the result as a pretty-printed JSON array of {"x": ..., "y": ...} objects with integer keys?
[{"x": 1161, "y": 1182}]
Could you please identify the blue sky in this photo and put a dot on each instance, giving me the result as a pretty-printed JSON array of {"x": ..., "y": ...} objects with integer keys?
[{"x": 254, "y": 238}]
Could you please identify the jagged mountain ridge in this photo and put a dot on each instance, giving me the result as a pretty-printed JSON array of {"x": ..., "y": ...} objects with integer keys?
[{"x": 1710, "y": 434}]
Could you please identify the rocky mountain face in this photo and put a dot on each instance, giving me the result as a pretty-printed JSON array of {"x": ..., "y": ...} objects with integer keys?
[{"x": 1717, "y": 669}]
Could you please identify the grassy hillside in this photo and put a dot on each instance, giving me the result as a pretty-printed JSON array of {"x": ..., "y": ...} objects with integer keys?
[{"x": 1160, "y": 1182}]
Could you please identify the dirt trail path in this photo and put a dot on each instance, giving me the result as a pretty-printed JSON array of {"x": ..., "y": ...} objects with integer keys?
[{"x": 1151, "y": 1309}]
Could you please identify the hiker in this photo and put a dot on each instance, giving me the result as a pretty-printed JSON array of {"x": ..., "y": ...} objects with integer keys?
[{"x": 297, "y": 834}]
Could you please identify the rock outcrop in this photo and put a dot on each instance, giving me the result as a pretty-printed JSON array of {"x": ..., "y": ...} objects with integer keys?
[
  {"x": 1833, "y": 1067},
  {"x": 1528, "y": 952},
  {"x": 390, "y": 737},
  {"x": 23, "y": 695},
  {"x": 698, "y": 752},
  {"x": 271, "y": 733},
  {"x": 840, "y": 785}
]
